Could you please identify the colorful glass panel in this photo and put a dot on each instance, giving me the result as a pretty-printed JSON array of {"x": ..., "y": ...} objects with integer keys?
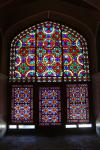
[
  {"x": 49, "y": 106},
  {"x": 49, "y": 53},
  {"x": 77, "y": 103},
  {"x": 75, "y": 56},
  {"x": 22, "y": 104},
  {"x": 22, "y": 58}
]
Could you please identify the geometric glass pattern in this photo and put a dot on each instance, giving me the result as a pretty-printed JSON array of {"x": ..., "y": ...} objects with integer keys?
[
  {"x": 49, "y": 106},
  {"x": 49, "y": 52},
  {"x": 77, "y": 103},
  {"x": 22, "y": 56},
  {"x": 22, "y": 104},
  {"x": 75, "y": 56}
]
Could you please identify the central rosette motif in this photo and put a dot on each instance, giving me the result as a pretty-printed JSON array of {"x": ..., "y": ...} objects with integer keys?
[
  {"x": 49, "y": 43},
  {"x": 48, "y": 59}
]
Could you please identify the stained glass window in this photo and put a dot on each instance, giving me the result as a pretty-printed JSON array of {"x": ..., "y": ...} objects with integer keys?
[
  {"x": 49, "y": 52},
  {"x": 75, "y": 56},
  {"x": 49, "y": 106},
  {"x": 22, "y": 104},
  {"x": 22, "y": 56},
  {"x": 77, "y": 103}
]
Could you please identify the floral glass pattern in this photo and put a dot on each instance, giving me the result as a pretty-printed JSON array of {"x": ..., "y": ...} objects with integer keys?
[
  {"x": 77, "y": 103},
  {"x": 49, "y": 52},
  {"x": 49, "y": 106},
  {"x": 22, "y": 104},
  {"x": 22, "y": 56},
  {"x": 75, "y": 56}
]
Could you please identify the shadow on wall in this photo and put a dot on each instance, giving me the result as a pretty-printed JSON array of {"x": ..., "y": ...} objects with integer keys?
[{"x": 3, "y": 125}]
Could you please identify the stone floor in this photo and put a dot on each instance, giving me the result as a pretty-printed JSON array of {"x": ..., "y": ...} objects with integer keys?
[{"x": 66, "y": 142}]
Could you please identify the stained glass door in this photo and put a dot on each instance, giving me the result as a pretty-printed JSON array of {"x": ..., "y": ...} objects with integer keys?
[
  {"x": 49, "y": 106},
  {"x": 77, "y": 99},
  {"x": 22, "y": 104}
]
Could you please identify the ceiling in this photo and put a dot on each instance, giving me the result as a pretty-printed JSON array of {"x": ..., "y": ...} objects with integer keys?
[
  {"x": 5, "y": 2},
  {"x": 14, "y": 11},
  {"x": 83, "y": 3},
  {"x": 92, "y": 4}
]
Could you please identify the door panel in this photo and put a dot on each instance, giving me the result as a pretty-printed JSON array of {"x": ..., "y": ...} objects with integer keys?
[{"x": 49, "y": 106}]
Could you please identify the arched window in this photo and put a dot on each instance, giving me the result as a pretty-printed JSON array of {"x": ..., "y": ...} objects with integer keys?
[{"x": 49, "y": 52}]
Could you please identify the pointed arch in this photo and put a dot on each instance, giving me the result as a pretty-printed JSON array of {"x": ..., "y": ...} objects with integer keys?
[{"x": 49, "y": 51}]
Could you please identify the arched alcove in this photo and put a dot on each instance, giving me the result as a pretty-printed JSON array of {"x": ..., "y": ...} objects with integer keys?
[
  {"x": 70, "y": 46},
  {"x": 61, "y": 19}
]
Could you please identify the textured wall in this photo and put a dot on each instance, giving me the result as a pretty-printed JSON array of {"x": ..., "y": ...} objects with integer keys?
[{"x": 96, "y": 93}]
